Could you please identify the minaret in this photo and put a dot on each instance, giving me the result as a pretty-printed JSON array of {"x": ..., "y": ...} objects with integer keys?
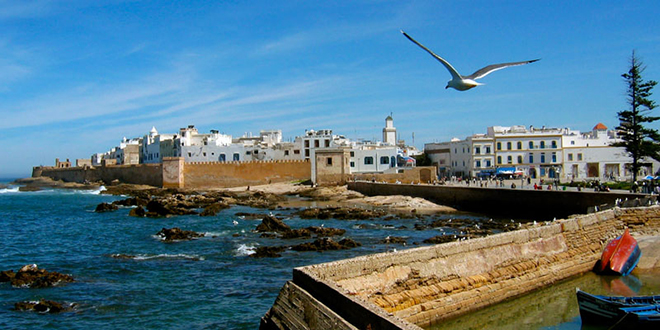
[{"x": 389, "y": 132}]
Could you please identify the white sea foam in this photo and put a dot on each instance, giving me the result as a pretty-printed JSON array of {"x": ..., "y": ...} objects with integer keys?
[
  {"x": 97, "y": 191},
  {"x": 9, "y": 190},
  {"x": 245, "y": 250},
  {"x": 159, "y": 256}
]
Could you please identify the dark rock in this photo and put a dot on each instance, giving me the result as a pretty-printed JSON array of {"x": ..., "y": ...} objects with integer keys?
[
  {"x": 132, "y": 201},
  {"x": 444, "y": 239},
  {"x": 297, "y": 233},
  {"x": 340, "y": 213},
  {"x": 272, "y": 224},
  {"x": 176, "y": 234},
  {"x": 326, "y": 232},
  {"x": 106, "y": 207},
  {"x": 165, "y": 208},
  {"x": 30, "y": 276},
  {"x": 137, "y": 212},
  {"x": 213, "y": 209},
  {"x": 268, "y": 251},
  {"x": 250, "y": 216},
  {"x": 7, "y": 275},
  {"x": 264, "y": 235},
  {"x": 41, "y": 306},
  {"x": 324, "y": 244},
  {"x": 122, "y": 256},
  {"x": 394, "y": 240}
]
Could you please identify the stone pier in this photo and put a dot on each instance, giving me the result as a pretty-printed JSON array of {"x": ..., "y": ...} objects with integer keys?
[{"x": 419, "y": 287}]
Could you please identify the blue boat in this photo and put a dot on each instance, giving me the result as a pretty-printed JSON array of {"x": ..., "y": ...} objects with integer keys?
[{"x": 619, "y": 312}]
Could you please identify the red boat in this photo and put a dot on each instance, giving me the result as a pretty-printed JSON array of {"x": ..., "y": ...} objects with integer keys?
[{"x": 620, "y": 256}]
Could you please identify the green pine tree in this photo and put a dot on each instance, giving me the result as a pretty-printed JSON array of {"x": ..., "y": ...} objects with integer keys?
[{"x": 637, "y": 138}]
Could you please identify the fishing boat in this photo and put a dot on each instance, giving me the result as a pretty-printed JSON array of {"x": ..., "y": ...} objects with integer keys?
[
  {"x": 620, "y": 256},
  {"x": 617, "y": 310}
]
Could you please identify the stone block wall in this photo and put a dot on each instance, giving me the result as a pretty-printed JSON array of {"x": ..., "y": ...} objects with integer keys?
[
  {"x": 234, "y": 174},
  {"x": 427, "y": 285},
  {"x": 424, "y": 174}
]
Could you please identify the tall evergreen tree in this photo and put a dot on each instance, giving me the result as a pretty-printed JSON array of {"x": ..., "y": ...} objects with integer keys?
[{"x": 638, "y": 140}]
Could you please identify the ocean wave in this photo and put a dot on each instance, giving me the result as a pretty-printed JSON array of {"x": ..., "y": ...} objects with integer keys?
[
  {"x": 9, "y": 190},
  {"x": 95, "y": 191},
  {"x": 157, "y": 256},
  {"x": 245, "y": 250}
]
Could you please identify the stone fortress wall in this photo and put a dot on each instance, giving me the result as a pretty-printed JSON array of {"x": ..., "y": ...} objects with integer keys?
[
  {"x": 423, "y": 286},
  {"x": 174, "y": 173}
]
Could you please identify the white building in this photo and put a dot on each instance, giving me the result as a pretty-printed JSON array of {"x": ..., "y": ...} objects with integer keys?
[{"x": 536, "y": 152}]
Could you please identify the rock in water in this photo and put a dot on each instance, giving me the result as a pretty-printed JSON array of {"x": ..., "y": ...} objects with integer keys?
[
  {"x": 137, "y": 212},
  {"x": 106, "y": 207},
  {"x": 30, "y": 276},
  {"x": 268, "y": 252},
  {"x": 41, "y": 306},
  {"x": 271, "y": 223},
  {"x": 176, "y": 234}
]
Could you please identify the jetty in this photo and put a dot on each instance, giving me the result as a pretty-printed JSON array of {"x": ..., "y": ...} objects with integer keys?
[{"x": 419, "y": 287}]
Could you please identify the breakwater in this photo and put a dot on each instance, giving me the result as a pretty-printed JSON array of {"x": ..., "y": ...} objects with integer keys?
[
  {"x": 519, "y": 203},
  {"x": 424, "y": 286}
]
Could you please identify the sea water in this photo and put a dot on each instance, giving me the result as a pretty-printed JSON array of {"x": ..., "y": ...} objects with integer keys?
[{"x": 127, "y": 278}]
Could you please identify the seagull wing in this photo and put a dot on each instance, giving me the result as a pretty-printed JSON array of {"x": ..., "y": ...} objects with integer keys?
[
  {"x": 494, "y": 67},
  {"x": 454, "y": 73}
]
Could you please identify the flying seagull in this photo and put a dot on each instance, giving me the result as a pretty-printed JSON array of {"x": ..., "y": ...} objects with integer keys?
[{"x": 463, "y": 83}]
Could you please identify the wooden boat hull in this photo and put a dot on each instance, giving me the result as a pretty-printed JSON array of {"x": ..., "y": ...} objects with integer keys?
[
  {"x": 605, "y": 310},
  {"x": 620, "y": 256}
]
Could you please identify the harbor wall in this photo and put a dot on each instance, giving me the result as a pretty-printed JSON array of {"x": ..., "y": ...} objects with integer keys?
[
  {"x": 519, "y": 203},
  {"x": 175, "y": 173},
  {"x": 424, "y": 286}
]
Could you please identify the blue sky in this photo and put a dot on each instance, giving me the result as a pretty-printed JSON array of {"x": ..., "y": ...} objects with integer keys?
[{"x": 77, "y": 76}]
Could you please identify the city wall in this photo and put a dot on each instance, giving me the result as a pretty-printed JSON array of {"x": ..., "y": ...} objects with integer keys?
[
  {"x": 519, "y": 203},
  {"x": 175, "y": 173},
  {"x": 424, "y": 286},
  {"x": 148, "y": 174},
  {"x": 417, "y": 174}
]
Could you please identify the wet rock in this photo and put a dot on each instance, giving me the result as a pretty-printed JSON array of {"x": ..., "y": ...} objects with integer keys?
[
  {"x": 326, "y": 232},
  {"x": 106, "y": 207},
  {"x": 394, "y": 240},
  {"x": 213, "y": 209},
  {"x": 122, "y": 256},
  {"x": 325, "y": 244},
  {"x": 176, "y": 234},
  {"x": 268, "y": 251},
  {"x": 297, "y": 233},
  {"x": 250, "y": 216},
  {"x": 42, "y": 306},
  {"x": 164, "y": 208},
  {"x": 272, "y": 224},
  {"x": 132, "y": 201},
  {"x": 137, "y": 212},
  {"x": 31, "y": 276},
  {"x": 340, "y": 213},
  {"x": 7, "y": 275}
]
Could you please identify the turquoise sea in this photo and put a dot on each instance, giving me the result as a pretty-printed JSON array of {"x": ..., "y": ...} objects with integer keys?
[{"x": 208, "y": 283}]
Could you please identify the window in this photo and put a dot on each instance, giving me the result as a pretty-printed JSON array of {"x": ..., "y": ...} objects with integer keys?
[
  {"x": 189, "y": 154},
  {"x": 509, "y": 160},
  {"x": 570, "y": 157},
  {"x": 352, "y": 164},
  {"x": 553, "y": 144},
  {"x": 306, "y": 143},
  {"x": 488, "y": 163},
  {"x": 499, "y": 145},
  {"x": 222, "y": 157},
  {"x": 508, "y": 146},
  {"x": 520, "y": 159},
  {"x": 542, "y": 144},
  {"x": 487, "y": 150},
  {"x": 296, "y": 151},
  {"x": 554, "y": 157},
  {"x": 286, "y": 152},
  {"x": 572, "y": 143},
  {"x": 477, "y": 150},
  {"x": 368, "y": 160},
  {"x": 316, "y": 143},
  {"x": 384, "y": 160},
  {"x": 579, "y": 157},
  {"x": 204, "y": 154},
  {"x": 499, "y": 159},
  {"x": 531, "y": 145},
  {"x": 329, "y": 161},
  {"x": 306, "y": 152},
  {"x": 519, "y": 145},
  {"x": 477, "y": 163},
  {"x": 542, "y": 171},
  {"x": 248, "y": 152},
  {"x": 543, "y": 157},
  {"x": 531, "y": 158},
  {"x": 352, "y": 153},
  {"x": 327, "y": 143}
]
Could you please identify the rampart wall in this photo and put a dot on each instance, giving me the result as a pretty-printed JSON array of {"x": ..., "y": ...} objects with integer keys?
[
  {"x": 148, "y": 174},
  {"x": 424, "y": 286},
  {"x": 234, "y": 174},
  {"x": 409, "y": 175}
]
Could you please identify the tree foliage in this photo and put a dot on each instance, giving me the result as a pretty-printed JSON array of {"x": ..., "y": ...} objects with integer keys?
[{"x": 637, "y": 138}]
